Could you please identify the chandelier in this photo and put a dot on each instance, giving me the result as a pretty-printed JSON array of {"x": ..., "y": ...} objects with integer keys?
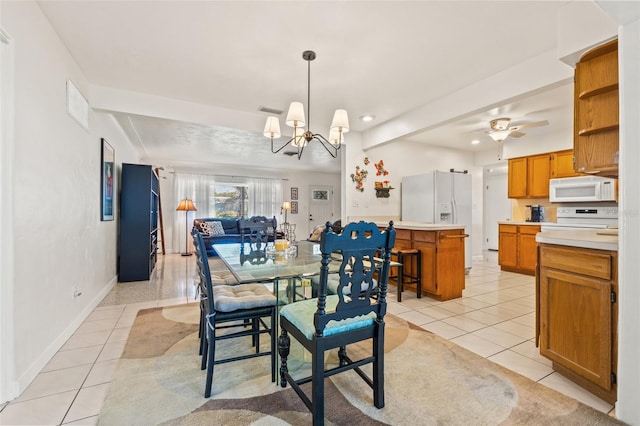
[{"x": 296, "y": 119}]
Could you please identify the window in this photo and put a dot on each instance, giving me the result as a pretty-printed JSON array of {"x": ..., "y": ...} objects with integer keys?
[{"x": 230, "y": 200}]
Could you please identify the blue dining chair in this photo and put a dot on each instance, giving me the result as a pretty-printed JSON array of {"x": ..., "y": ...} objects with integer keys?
[{"x": 336, "y": 320}]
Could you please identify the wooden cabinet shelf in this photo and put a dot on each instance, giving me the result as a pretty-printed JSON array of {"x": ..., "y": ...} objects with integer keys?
[
  {"x": 591, "y": 131},
  {"x": 598, "y": 91},
  {"x": 596, "y": 111}
]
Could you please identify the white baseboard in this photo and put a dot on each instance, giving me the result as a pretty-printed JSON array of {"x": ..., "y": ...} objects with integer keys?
[{"x": 30, "y": 374}]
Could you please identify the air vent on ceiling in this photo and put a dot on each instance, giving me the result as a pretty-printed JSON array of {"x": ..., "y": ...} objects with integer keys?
[
  {"x": 290, "y": 153},
  {"x": 270, "y": 110}
]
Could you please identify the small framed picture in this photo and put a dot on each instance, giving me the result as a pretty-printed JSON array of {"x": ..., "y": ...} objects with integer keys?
[
  {"x": 107, "y": 173},
  {"x": 294, "y": 193},
  {"x": 294, "y": 207}
]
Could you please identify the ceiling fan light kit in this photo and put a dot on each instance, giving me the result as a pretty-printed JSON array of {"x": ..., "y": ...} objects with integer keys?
[
  {"x": 296, "y": 119},
  {"x": 501, "y": 129}
]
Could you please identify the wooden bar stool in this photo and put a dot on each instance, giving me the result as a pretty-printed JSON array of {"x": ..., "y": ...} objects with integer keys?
[{"x": 403, "y": 275}]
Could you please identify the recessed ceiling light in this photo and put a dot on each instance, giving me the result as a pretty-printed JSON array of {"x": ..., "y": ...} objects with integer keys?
[
  {"x": 367, "y": 117},
  {"x": 475, "y": 142}
]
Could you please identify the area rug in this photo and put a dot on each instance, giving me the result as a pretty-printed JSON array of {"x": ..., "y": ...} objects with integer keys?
[{"x": 428, "y": 381}]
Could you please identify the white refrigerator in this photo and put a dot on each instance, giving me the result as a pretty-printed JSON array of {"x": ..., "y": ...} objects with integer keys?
[{"x": 439, "y": 197}]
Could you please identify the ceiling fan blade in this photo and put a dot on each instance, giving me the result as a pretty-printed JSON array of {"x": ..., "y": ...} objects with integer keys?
[
  {"x": 528, "y": 125},
  {"x": 516, "y": 134}
]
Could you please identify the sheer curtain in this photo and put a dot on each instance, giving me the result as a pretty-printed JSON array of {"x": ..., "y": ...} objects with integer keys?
[
  {"x": 199, "y": 188},
  {"x": 265, "y": 197}
]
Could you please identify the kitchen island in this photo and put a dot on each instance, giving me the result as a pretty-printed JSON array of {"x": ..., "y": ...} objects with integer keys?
[
  {"x": 442, "y": 252},
  {"x": 576, "y": 306}
]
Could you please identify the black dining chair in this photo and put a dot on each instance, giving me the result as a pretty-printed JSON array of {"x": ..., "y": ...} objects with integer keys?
[
  {"x": 257, "y": 231},
  {"x": 245, "y": 306},
  {"x": 349, "y": 316}
]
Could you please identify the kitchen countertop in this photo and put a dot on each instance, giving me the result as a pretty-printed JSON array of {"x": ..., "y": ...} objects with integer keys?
[
  {"x": 421, "y": 226},
  {"x": 585, "y": 239},
  {"x": 510, "y": 222}
]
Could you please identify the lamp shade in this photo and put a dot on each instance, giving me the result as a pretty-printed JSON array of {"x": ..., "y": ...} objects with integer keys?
[
  {"x": 295, "y": 116},
  {"x": 286, "y": 205},
  {"x": 340, "y": 121},
  {"x": 272, "y": 128},
  {"x": 186, "y": 205}
]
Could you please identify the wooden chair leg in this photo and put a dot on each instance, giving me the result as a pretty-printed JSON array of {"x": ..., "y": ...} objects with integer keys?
[
  {"x": 317, "y": 386},
  {"x": 272, "y": 335},
  {"x": 211, "y": 360},
  {"x": 284, "y": 343},
  {"x": 378, "y": 367}
]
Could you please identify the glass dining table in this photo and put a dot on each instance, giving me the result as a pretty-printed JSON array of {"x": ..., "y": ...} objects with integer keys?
[
  {"x": 289, "y": 270},
  {"x": 290, "y": 273}
]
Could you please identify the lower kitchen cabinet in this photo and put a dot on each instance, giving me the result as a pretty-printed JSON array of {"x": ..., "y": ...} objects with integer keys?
[
  {"x": 517, "y": 248},
  {"x": 577, "y": 315},
  {"x": 443, "y": 268}
]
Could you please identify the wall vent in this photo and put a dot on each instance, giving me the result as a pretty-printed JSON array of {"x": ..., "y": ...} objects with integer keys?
[{"x": 270, "y": 110}]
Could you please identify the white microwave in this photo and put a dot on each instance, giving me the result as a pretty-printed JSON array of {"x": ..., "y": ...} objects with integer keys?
[{"x": 581, "y": 189}]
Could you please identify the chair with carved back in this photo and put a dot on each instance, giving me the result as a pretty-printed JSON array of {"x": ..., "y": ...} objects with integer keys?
[
  {"x": 335, "y": 321},
  {"x": 257, "y": 231},
  {"x": 244, "y": 306}
]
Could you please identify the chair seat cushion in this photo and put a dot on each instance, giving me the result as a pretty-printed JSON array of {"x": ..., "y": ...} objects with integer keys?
[
  {"x": 300, "y": 314},
  {"x": 222, "y": 278},
  {"x": 229, "y": 298}
]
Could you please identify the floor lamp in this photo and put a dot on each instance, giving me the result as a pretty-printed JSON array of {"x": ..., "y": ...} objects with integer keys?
[{"x": 186, "y": 206}]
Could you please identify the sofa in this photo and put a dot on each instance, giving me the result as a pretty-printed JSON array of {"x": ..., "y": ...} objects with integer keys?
[{"x": 228, "y": 231}]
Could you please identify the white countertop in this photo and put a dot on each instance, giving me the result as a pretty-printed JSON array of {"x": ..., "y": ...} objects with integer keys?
[
  {"x": 586, "y": 239},
  {"x": 510, "y": 222},
  {"x": 421, "y": 226}
]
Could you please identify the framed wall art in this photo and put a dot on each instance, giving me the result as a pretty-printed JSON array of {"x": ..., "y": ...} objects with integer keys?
[
  {"x": 294, "y": 193},
  {"x": 294, "y": 207},
  {"x": 107, "y": 174}
]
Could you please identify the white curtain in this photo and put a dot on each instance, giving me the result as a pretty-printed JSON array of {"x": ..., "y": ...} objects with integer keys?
[
  {"x": 265, "y": 197},
  {"x": 199, "y": 188}
]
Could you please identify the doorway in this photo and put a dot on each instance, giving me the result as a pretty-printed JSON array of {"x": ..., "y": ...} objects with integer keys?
[
  {"x": 497, "y": 205},
  {"x": 320, "y": 205}
]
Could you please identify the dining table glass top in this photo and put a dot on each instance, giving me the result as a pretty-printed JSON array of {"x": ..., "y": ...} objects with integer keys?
[{"x": 248, "y": 265}]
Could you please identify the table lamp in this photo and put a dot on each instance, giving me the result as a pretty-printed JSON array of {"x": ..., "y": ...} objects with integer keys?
[
  {"x": 286, "y": 205},
  {"x": 186, "y": 206}
]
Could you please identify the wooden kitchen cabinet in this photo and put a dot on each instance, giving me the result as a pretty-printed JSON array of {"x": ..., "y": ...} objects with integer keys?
[
  {"x": 538, "y": 172},
  {"x": 562, "y": 164},
  {"x": 529, "y": 176},
  {"x": 577, "y": 315},
  {"x": 596, "y": 111},
  {"x": 517, "y": 248},
  {"x": 442, "y": 253},
  {"x": 517, "y": 175}
]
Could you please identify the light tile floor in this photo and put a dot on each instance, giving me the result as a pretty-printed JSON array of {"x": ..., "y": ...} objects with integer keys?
[{"x": 495, "y": 318}]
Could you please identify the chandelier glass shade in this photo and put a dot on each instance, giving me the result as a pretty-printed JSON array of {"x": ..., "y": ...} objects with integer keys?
[{"x": 301, "y": 135}]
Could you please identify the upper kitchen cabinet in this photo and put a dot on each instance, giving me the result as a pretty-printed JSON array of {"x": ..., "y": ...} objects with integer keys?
[
  {"x": 596, "y": 111},
  {"x": 529, "y": 176},
  {"x": 562, "y": 164}
]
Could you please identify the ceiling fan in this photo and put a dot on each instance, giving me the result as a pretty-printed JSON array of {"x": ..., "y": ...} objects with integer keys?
[{"x": 501, "y": 128}]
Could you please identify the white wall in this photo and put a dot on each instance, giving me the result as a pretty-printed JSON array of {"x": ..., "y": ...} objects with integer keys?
[
  {"x": 59, "y": 241},
  {"x": 404, "y": 158}
]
